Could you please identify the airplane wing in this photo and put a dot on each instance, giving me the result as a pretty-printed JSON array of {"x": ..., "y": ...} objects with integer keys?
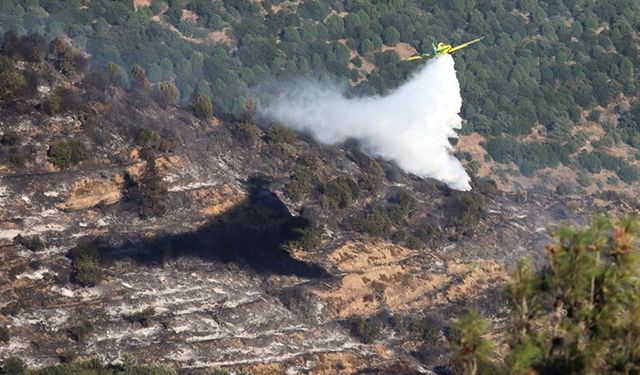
[
  {"x": 464, "y": 45},
  {"x": 419, "y": 57}
]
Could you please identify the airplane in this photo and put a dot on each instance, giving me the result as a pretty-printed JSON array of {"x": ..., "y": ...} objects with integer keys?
[{"x": 442, "y": 49}]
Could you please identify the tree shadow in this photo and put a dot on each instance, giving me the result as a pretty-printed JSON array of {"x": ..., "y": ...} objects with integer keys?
[{"x": 253, "y": 234}]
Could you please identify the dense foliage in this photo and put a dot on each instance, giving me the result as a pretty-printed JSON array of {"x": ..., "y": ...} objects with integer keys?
[
  {"x": 85, "y": 261},
  {"x": 550, "y": 65},
  {"x": 580, "y": 315}
]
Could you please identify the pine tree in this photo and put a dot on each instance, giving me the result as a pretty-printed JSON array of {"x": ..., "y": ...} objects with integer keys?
[
  {"x": 579, "y": 315},
  {"x": 474, "y": 349}
]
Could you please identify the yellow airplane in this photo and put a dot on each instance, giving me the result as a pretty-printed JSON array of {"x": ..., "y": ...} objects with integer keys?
[{"x": 442, "y": 49}]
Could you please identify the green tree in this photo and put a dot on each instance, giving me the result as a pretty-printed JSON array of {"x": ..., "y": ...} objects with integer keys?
[
  {"x": 153, "y": 192},
  {"x": 12, "y": 82},
  {"x": 166, "y": 93},
  {"x": 139, "y": 78},
  {"x": 66, "y": 154},
  {"x": 201, "y": 105},
  {"x": 579, "y": 315},
  {"x": 13, "y": 366},
  {"x": 85, "y": 261},
  {"x": 473, "y": 347},
  {"x": 391, "y": 36},
  {"x": 335, "y": 27}
]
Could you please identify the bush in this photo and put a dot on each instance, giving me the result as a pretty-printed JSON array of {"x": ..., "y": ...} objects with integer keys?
[
  {"x": 629, "y": 174},
  {"x": 32, "y": 47},
  {"x": 151, "y": 140},
  {"x": 13, "y": 366},
  {"x": 12, "y": 82},
  {"x": 220, "y": 371},
  {"x": 79, "y": 332},
  {"x": 66, "y": 154},
  {"x": 143, "y": 317},
  {"x": 340, "y": 192},
  {"x": 51, "y": 105},
  {"x": 10, "y": 138},
  {"x": 18, "y": 158},
  {"x": 365, "y": 330},
  {"x": 5, "y": 335},
  {"x": 301, "y": 232},
  {"x": 166, "y": 93},
  {"x": 85, "y": 262},
  {"x": 279, "y": 134},
  {"x": 68, "y": 356},
  {"x": 33, "y": 243},
  {"x": 303, "y": 181},
  {"x": 401, "y": 205},
  {"x": 376, "y": 222},
  {"x": 201, "y": 105},
  {"x": 139, "y": 79},
  {"x": 153, "y": 192},
  {"x": 427, "y": 329},
  {"x": 590, "y": 161},
  {"x": 247, "y": 132},
  {"x": 464, "y": 209}
]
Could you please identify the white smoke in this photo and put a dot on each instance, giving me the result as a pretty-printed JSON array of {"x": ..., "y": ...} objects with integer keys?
[{"x": 411, "y": 126}]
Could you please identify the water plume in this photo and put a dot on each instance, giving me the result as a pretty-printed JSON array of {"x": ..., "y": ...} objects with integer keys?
[{"x": 410, "y": 126}]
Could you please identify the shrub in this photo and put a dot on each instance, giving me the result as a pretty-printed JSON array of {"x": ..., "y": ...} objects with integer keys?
[
  {"x": 18, "y": 158},
  {"x": 590, "y": 161},
  {"x": 114, "y": 72},
  {"x": 12, "y": 83},
  {"x": 303, "y": 181},
  {"x": 340, "y": 192},
  {"x": 51, "y": 105},
  {"x": 427, "y": 329},
  {"x": 279, "y": 134},
  {"x": 220, "y": 371},
  {"x": 426, "y": 232},
  {"x": 10, "y": 138},
  {"x": 376, "y": 222},
  {"x": 166, "y": 93},
  {"x": 66, "y": 154},
  {"x": 32, "y": 47},
  {"x": 201, "y": 105},
  {"x": 5, "y": 335},
  {"x": 247, "y": 132},
  {"x": 149, "y": 139},
  {"x": 153, "y": 192},
  {"x": 139, "y": 79},
  {"x": 79, "y": 332},
  {"x": 85, "y": 262},
  {"x": 13, "y": 366},
  {"x": 301, "y": 232},
  {"x": 365, "y": 330},
  {"x": 464, "y": 210},
  {"x": 629, "y": 174},
  {"x": 143, "y": 317},
  {"x": 68, "y": 356},
  {"x": 33, "y": 243},
  {"x": 401, "y": 205}
]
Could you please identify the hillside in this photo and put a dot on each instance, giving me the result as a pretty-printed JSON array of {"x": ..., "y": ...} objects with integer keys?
[
  {"x": 131, "y": 225},
  {"x": 550, "y": 95},
  {"x": 150, "y": 214}
]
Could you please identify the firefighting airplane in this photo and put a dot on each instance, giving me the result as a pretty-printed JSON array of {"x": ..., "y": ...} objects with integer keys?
[{"x": 442, "y": 49}]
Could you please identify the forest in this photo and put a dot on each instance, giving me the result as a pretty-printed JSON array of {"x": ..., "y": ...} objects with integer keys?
[{"x": 547, "y": 68}]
